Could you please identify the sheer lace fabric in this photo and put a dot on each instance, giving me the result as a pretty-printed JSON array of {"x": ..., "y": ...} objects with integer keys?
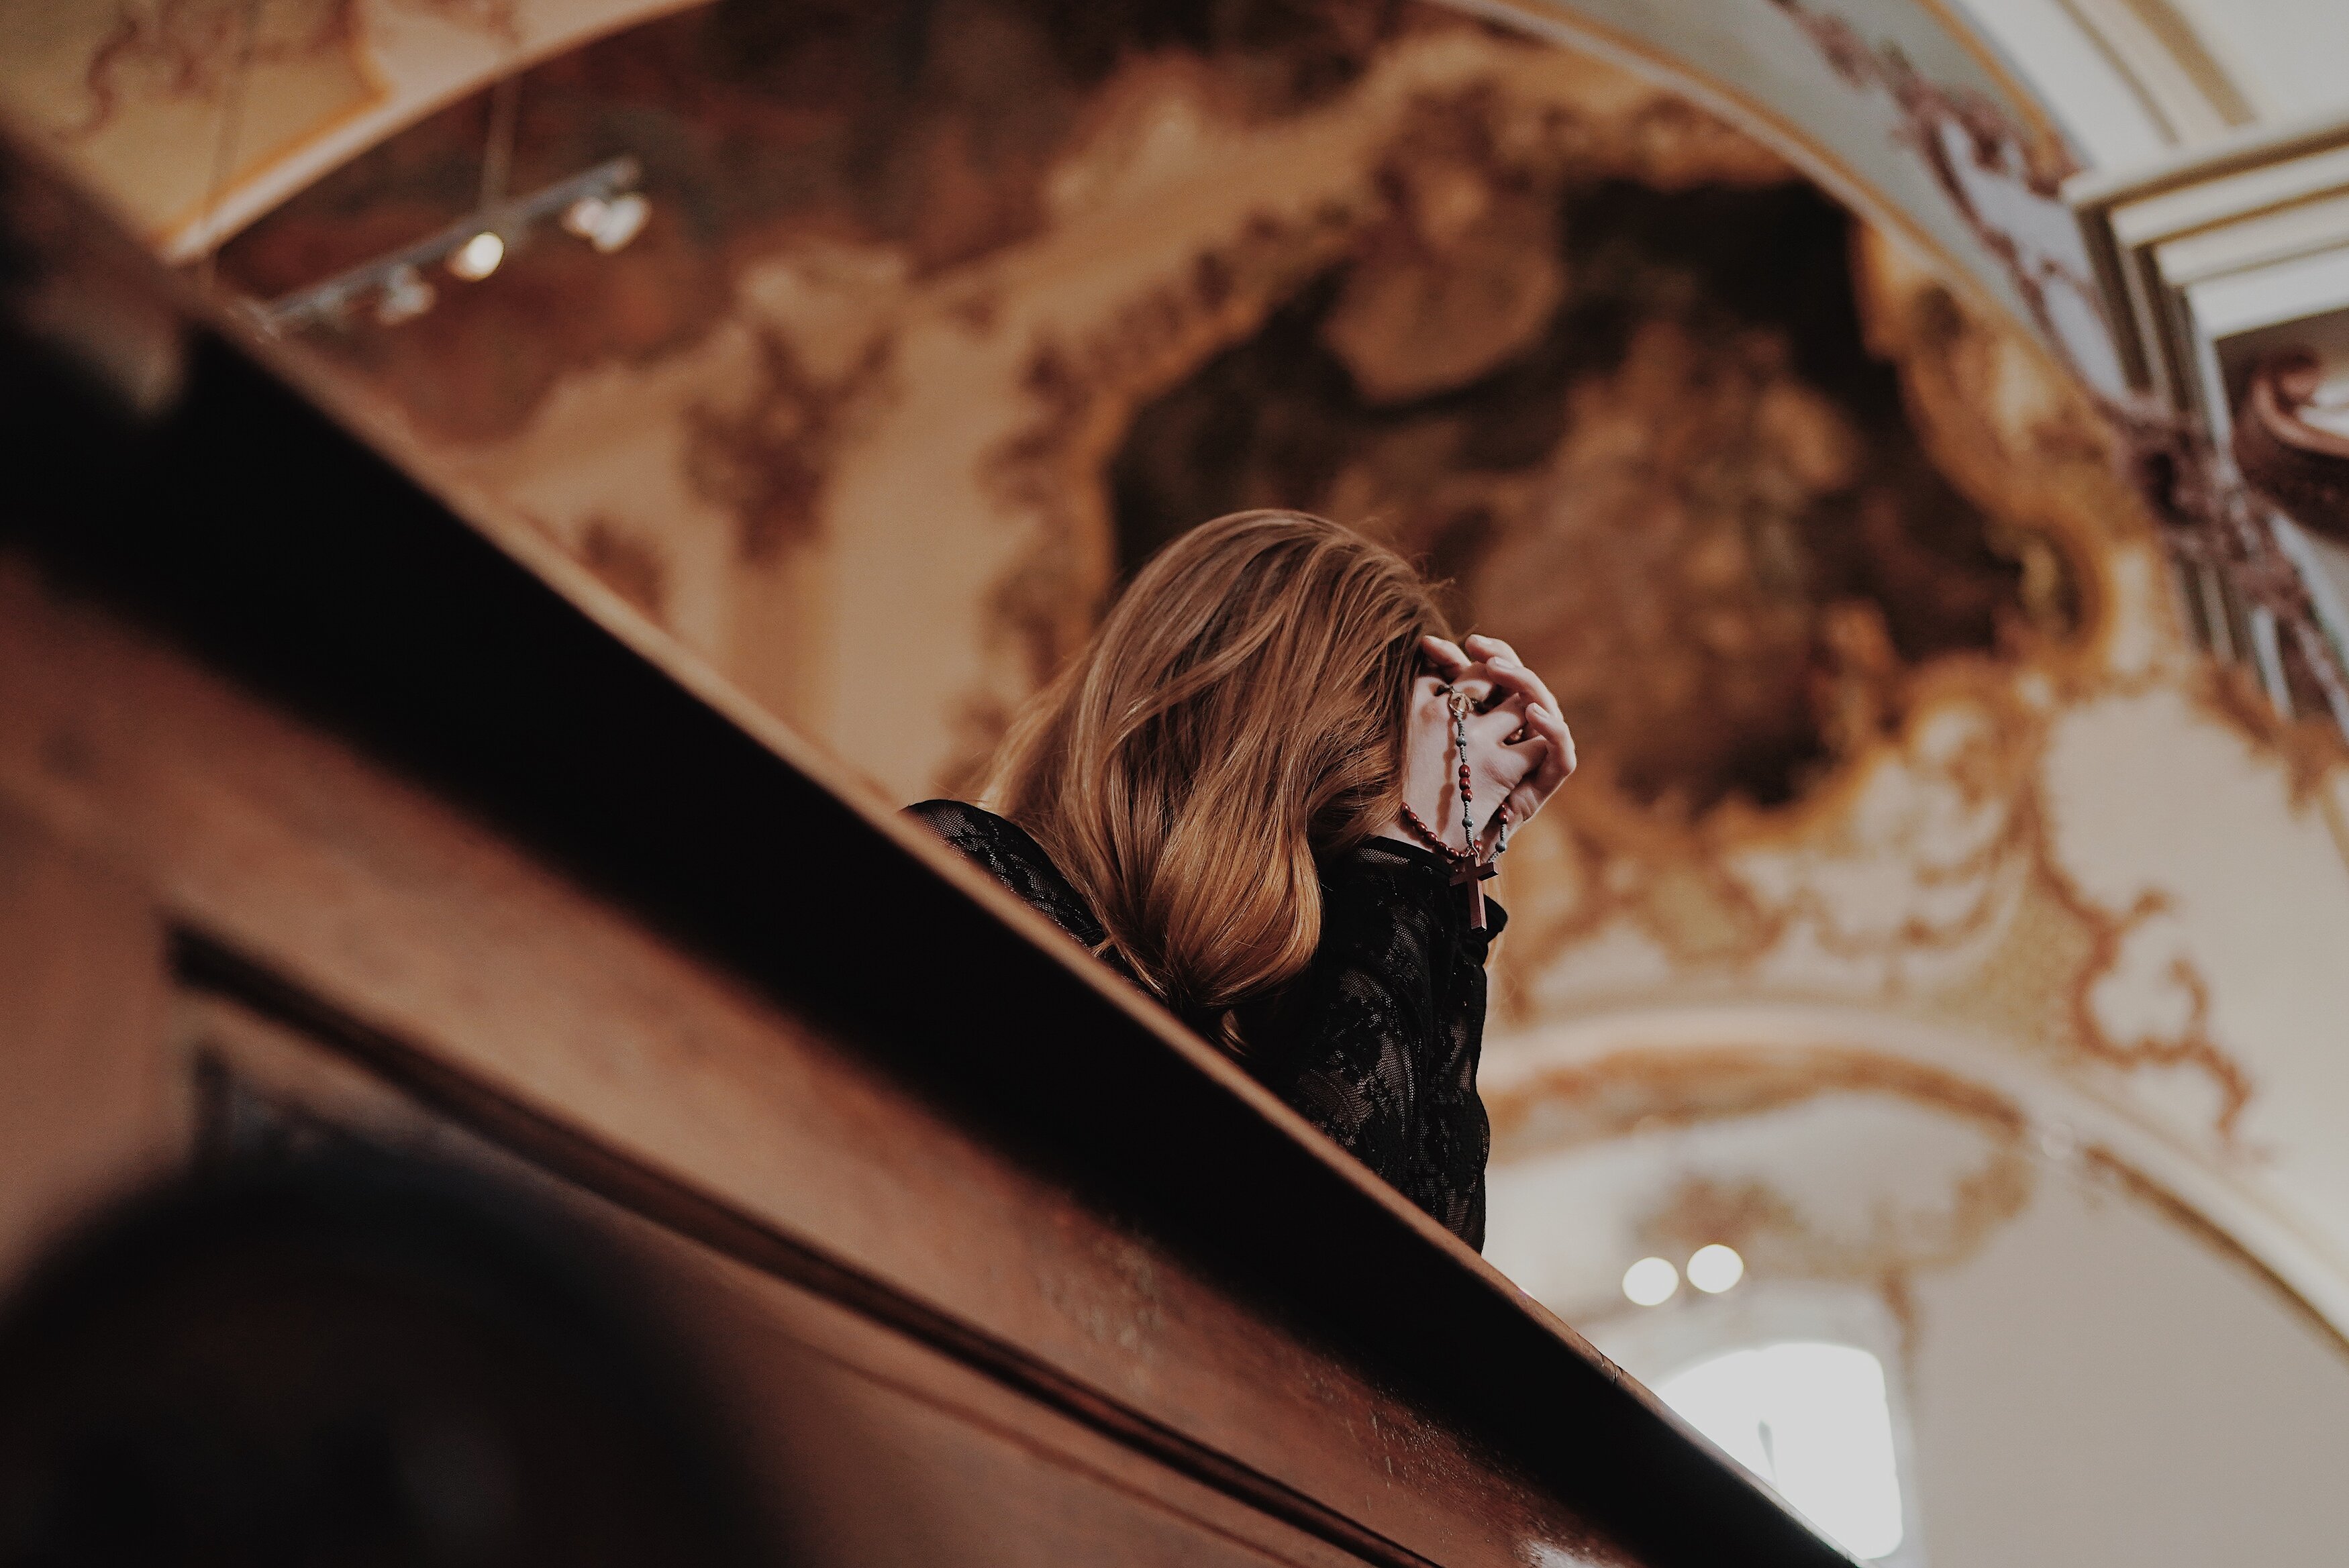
[{"x": 1376, "y": 1043}]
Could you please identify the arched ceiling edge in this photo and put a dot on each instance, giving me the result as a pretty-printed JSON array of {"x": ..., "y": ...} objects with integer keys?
[
  {"x": 1902, "y": 111},
  {"x": 2235, "y": 1201}
]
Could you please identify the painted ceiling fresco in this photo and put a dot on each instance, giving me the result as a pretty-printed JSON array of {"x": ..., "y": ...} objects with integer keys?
[
  {"x": 926, "y": 131},
  {"x": 1603, "y": 366},
  {"x": 1903, "y": 786},
  {"x": 1931, "y": 919},
  {"x": 1640, "y": 431},
  {"x": 948, "y": 313}
]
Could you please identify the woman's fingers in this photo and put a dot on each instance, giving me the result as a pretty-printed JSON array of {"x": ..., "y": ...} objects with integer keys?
[
  {"x": 1508, "y": 670},
  {"x": 1445, "y": 656},
  {"x": 1512, "y": 671},
  {"x": 1501, "y": 724},
  {"x": 1556, "y": 765},
  {"x": 1547, "y": 723},
  {"x": 1520, "y": 797},
  {"x": 1518, "y": 747},
  {"x": 1504, "y": 751},
  {"x": 1544, "y": 719},
  {"x": 1455, "y": 668},
  {"x": 1518, "y": 712},
  {"x": 1484, "y": 647}
]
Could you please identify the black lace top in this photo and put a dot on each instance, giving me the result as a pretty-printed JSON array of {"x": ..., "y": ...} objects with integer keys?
[{"x": 1376, "y": 1043}]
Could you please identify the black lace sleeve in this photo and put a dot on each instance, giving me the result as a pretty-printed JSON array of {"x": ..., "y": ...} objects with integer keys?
[
  {"x": 1015, "y": 860},
  {"x": 1377, "y": 1043}
]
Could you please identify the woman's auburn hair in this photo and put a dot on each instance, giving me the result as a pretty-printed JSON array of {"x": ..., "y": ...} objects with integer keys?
[{"x": 1242, "y": 708}]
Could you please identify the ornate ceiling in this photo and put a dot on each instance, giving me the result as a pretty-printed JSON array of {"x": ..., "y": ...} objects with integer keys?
[{"x": 1927, "y": 889}]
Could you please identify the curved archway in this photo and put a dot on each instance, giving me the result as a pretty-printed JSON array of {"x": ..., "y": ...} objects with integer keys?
[
  {"x": 1602, "y": 1076},
  {"x": 2082, "y": 1360}
]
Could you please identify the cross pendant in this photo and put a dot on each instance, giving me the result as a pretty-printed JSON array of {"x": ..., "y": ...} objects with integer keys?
[{"x": 1473, "y": 875}]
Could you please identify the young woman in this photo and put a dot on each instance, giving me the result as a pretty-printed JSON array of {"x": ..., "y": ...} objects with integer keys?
[{"x": 1248, "y": 795}]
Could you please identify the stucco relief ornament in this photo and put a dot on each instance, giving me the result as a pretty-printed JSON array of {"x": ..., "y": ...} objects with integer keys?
[
  {"x": 2210, "y": 520},
  {"x": 2283, "y": 451}
]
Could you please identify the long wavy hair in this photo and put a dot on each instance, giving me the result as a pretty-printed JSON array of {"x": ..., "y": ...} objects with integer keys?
[{"x": 1241, "y": 709}]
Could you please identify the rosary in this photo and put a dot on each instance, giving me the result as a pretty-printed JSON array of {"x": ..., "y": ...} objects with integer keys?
[{"x": 1467, "y": 867}]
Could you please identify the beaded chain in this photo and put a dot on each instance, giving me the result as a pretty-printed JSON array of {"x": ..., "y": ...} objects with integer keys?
[
  {"x": 1467, "y": 865},
  {"x": 1434, "y": 841}
]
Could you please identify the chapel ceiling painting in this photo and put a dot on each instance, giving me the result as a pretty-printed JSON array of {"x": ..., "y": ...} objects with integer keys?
[
  {"x": 948, "y": 313},
  {"x": 1500, "y": 280}
]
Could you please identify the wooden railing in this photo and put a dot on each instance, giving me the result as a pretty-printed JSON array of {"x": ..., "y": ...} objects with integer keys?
[{"x": 363, "y": 801}]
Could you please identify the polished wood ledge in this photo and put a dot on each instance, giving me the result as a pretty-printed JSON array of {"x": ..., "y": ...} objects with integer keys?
[{"x": 347, "y": 792}]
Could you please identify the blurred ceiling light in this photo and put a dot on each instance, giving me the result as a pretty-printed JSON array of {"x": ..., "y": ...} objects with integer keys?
[
  {"x": 600, "y": 204},
  {"x": 406, "y": 296},
  {"x": 1651, "y": 1281},
  {"x": 478, "y": 257},
  {"x": 607, "y": 224},
  {"x": 1714, "y": 1269}
]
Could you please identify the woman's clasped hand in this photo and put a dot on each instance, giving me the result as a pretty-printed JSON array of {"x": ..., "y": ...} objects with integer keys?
[{"x": 1519, "y": 749}]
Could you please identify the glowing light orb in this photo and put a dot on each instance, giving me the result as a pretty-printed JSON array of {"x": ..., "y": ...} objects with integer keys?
[
  {"x": 1715, "y": 1268},
  {"x": 607, "y": 224},
  {"x": 478, "y": 257},
  {"x": 1651, "y": 1281}
]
